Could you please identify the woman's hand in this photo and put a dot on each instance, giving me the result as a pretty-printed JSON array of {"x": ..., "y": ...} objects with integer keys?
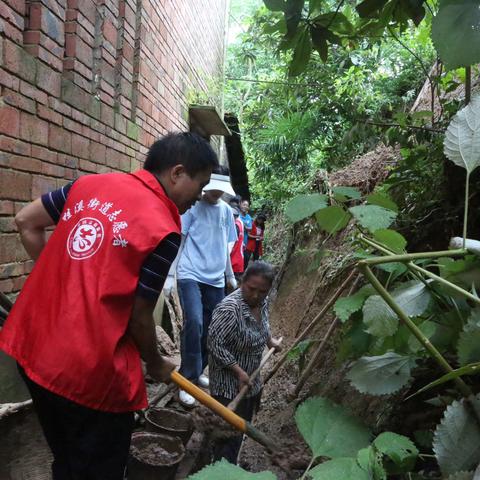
[
  {"x": 242, "y": 376},
  {"x": 274, "y": 343}
]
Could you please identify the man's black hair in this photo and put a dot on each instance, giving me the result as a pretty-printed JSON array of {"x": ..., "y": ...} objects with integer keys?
[
  {"x": 222, "y": 170},
  {"x": 262, "y": 216},
  {"x": 187, "y": 149},
  {"x": 260, "y": 268}
]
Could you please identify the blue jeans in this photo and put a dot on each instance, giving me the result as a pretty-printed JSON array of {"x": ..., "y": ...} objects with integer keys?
[{"x": 198, "y": 301}]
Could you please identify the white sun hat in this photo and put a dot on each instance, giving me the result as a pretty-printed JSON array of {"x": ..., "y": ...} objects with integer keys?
[{"x": 220, "y": 182}]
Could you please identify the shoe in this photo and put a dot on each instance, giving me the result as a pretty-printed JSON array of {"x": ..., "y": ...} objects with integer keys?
[
  {"x": 186, "y": 399},
  {"x": 203, "y": 381}
]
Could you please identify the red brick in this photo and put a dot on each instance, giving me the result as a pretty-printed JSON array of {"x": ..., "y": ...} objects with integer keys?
[
  {"x": 15, "y": 99},
  {"x": 9, "y": 121},
  {"x": 59, "y": 139},
  {"x": 18, "y": 162},
  {"x": 50, "y": 115},
  {"x": 77, "y": 48},
  {"x": 80, "y": 146},
  {"x": 33, "y": 92},
  {"x": 6, "y": 207},
  {"x": 6, "y": 286},
  {"x": 6, "y": 79},
  {"x": 97, "y": 152},
  {"x": 110, "y": 32},
  {"x": 43, "y": 19},
  {"x": 17, "y": 61},
  {"x": 15, "y": 185},
  {"x": 87, "y": 166},
  {"x": 17, "y": 5},
  {"x": 11, "y": 270},
  {"x": 12, "y": 16},
  {"x": 41, "y": 185},
  {"x": 7, "y": 225},
  {"x": 18, "y": 282},
  {"x": 44, "y": 154},
  {"x": 13, "y": 145},
  {"x": 11, "y": 32},
  {"x": 48, "y": 80},
  {"x": 53, "y": 170},
  {"x": 33, "y": 129}
]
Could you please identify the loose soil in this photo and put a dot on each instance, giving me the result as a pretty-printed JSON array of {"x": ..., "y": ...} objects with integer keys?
[{"x": 153, "y": 454}]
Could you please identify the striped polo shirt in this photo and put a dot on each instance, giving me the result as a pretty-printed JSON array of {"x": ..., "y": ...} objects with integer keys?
[
  {"x": 236, "y": 336},
  {"x": 155, "y": 268}
]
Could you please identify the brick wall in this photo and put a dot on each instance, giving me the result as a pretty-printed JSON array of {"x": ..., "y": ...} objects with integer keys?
[{"x": 87, "y": 85}]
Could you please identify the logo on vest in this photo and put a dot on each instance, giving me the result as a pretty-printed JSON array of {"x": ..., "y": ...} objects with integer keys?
[{"x": 85, "y": 239}]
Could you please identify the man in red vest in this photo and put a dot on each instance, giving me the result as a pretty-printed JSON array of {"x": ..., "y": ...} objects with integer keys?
[{"x": 84, "y": 317}]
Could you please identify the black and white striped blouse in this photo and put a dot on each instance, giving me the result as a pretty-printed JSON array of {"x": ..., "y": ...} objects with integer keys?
[{"x": 235, "y": 336}]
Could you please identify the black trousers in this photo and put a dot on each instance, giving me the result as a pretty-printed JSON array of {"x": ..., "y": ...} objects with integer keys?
[
  {"x": 230, "y": 447},
  {"x": 86, "y": 444}
]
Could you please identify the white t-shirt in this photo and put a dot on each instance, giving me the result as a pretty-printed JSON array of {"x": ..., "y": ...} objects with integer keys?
[{"x": 208, "y": 229}]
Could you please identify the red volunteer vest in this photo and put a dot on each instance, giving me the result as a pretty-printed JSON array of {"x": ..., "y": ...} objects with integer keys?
[
  {"x": 251, "y": 244},
  {"x": 236, "y": 256},
  {"x": 68, "y": 326}
]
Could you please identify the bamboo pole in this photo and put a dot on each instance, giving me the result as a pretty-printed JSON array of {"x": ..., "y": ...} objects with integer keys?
[
  {"x": 311, "y": 325},
  {"x": 243, "y": 391}
]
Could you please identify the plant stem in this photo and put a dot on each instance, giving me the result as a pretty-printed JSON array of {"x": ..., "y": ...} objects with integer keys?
[
  {"x": 407, "y": 257},
  {"x": 412, "y": 267},
  {"x": 308, "y": 468},
  {"x": 434, "y": 353},
  {"x": 465, "y": 215},
  {"x": 468, "y": 85}
]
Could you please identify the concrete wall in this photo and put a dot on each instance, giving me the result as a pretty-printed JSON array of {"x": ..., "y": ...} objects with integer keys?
[{"x": 87, "y": 85}]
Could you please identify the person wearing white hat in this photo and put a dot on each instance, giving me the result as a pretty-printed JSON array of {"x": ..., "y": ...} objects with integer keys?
[{"x": 208, "y": 231}]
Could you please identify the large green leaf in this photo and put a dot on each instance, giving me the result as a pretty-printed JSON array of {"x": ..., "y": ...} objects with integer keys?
[
  {"x": 304, "y": 206},
  {"x": 381, "y": 375},
  {"x": 369, "y": 7},
  {"x": 380, "y": 319},
  {"x": 391, "y": 239},
  {"x": 301, "y": 53},
  {"x": 382, "y": 200},
  {"x": 343, "y": 193},
  {"x": 345, "y": 306},
  {"x": 339, "y": 469},
  {"x": 462, "y": 139},
  {"x": 428, "y": 329},
  {"x": 224, "y": 470},
  {"x": 329, "y": 430},
  {"x": 456, "y": 442},
  {"x": 456, "y": 32},
  {"x": 332, "y": 219},
  {"x": 412, "y": 297},
  {"x": 399, "y": 449},
  {"x": 373, "y": 217}
]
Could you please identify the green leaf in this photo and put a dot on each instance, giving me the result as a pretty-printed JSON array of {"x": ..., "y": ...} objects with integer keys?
[
  {"x": 319, "y": 38},
  {"x": 379, "y": 318},
  {"x": 382, "y": 200},
  {"x": 462, "y": 138},
  {"x": 345, "y": 306},
  {"x": 373, "y": 217},
  {"x": 468, "y": 347},
  {"x": 333, "y": 219},
  {"x": 456, "y": 33},
  {"x": 428, "y": 329},
  {"x": 301, "y": 53},
  {"x": 380, "y": 375},
  {"x": 391, "y": 239},
  {"x": 304, "y": 206},
  {"x": 339, "y": 468},
  {"x": 300, "y": 349},
  {"x": 371, "y": 461},
  {"x": 329, "y": 430},
  {"x": 456, "y": 442},
  {"x": 368, "y": 7},
  {"x": 224, "y": 470},
  {"x": 342, "y": 193},
  {"x": 472, "y": 369},
  {"x": 412, "y": 297},
  {"x": 275, "y": 5},
  {"x": 399, "y": 449}
]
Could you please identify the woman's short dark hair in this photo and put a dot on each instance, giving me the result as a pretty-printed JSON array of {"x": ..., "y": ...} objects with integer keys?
[
  {"x": 260, "y": 268},
  {"x": 186, "y": 148}
]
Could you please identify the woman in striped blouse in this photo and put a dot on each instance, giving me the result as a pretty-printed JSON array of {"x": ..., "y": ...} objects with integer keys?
[{"x": 238, "y": 334}]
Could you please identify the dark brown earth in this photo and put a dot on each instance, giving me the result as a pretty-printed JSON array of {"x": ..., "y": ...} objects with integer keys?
[{"x": 153, "y": 454}]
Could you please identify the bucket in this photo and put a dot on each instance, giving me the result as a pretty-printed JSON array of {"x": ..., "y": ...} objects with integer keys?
[
  {"x": 170, "y": 422},
  {"x": 154, "y": 456}
]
